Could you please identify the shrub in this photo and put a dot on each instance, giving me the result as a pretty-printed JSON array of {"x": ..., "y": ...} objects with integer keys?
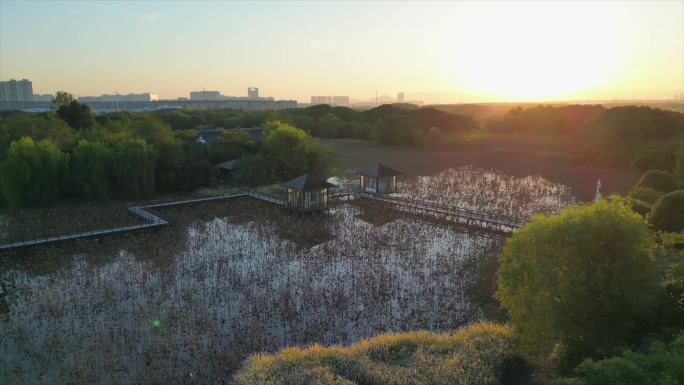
[
  {"x": 580, "y": 279},
  {"x": 661, "y": 365},
  {"x": 639, "y": 206},
  {"x": 646, "y": 194},
  {"x": 667, "y": 213},
  {"x": 476, "y": 354},
  {"x": 658, "y": 180}
]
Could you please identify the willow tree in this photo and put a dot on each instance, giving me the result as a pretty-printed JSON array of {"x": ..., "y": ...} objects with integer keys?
[
  {"x": 133, "y": 167},
  {"x": 32, "y": 173}
]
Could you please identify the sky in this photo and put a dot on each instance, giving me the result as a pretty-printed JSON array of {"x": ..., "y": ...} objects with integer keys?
[{"x": 442, "y": 52}]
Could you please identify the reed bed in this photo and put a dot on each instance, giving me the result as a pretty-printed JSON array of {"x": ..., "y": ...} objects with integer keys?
[
  {"x": 189, "y": 302},
  {"x": 489, "y": 192},
  {"x": 201, "y": 296}
]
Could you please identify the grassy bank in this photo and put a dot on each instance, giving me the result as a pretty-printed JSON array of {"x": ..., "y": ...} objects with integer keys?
[{"x": 477, "y": 354}]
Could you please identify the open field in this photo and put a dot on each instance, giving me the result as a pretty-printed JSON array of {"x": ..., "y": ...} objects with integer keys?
[{"x": 581, "y": 178}]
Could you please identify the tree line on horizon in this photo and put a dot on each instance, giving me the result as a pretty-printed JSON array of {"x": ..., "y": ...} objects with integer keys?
[
  {"x": 629, "y": 137},
  {"x": 626, "y": 137},
  {"x": 71, "y": 154}
]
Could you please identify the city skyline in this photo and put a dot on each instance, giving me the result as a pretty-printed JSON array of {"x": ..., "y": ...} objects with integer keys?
[{"x": 623, "y": 50}]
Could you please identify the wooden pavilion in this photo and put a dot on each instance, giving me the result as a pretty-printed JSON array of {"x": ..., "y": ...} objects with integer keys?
[
  {"x": 378, "y": 179},
  {"x": 307, "y": 192}
]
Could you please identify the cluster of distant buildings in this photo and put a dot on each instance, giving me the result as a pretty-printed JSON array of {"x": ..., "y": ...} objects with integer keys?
[
  {"x": 345, "y": 101},
  {"x": 18, "y": 95},
  {"x": 144, "y": 97},
  {"x": 20, "y": 91},
  {"x": 332, "y": 100},
  {"x": 202, "y": 96}
]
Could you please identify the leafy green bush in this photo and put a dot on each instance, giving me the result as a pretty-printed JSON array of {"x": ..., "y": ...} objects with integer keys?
[
  {"x": 476, "y": 354},
  {"x": 668, "y": 212},
  {"x": 646, "y": 194},
  {"x": 658, "y": 180},
  {"x": 661, "y": 364},
  {"x": 639, "y": 206},
  {"x": 579, "y": 280}
]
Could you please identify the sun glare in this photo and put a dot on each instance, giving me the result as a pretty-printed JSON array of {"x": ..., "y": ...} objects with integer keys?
[{"x": 525, "y": 54}]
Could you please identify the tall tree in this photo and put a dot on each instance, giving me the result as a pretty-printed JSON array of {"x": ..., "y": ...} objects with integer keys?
[
  {"x": 133, "y": 167},
  {"x": 580, "y": 279},
  {"x": 32, "y": 173},
  {"x": 62, "y": 98},
  {"x": 76, "y": 115},
  {"x": 90, "y": 171}
]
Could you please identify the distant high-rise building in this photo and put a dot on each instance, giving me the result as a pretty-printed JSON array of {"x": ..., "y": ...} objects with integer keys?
[
  {"x": 400, "y": 97},
  {"x": 16, "y": 91},
  {"x": 321, "y": 100},
  {"x": 205, "y": 95},
  {"x": 253, "y": 93},
  {"x": 144, "y": 97},
  {"x": 340, "y": 100}
]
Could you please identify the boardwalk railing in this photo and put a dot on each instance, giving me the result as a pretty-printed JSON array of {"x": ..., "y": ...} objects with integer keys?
[
  {"x": 154, "y": 221},
  {"x": 151, "y": 220},
  {"x": 461, "y": 212}
]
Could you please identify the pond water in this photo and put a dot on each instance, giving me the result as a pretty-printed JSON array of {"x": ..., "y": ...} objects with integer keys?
[{"x": 226, "y": 280}]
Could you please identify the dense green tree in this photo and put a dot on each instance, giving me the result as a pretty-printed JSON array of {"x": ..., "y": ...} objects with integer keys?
[
  {"x": 580, "y": 279},
  {"x": 90, "y": 171},
  {"x": 678, "y": 171},
  {"x": 661, "y": 364},
  {"x": 656, "y": 154},
  {"x": 360, "y": 130},
  {"x": 658, "y": 180},
  {"x": 198, "y": 171},
  {"x": 231, "y": 145},
  {"x": 32, "y": 173},
  {"x": 639, "y": 206},
  {"x": 394, "y": 129},
  {"x": 428, "y": 117},
  {"x": 329, "y": 126},
  {"x": 61, "y": 99},
  {"x": 76, "y": 115},
  {"x": 169, "y": 175},
  {"x": 304, "y": 122},
  {"x": 38, "y": 127},
  {"x": 133, "y": 167},
  {"x": 667, "y": 213},
  {"x": 254, "y": 169},
  {"x": 646, "y": 194},
  {"x": 291, "y": 152},
  {"x": 180, "y": 120},
  {"x": 546, "y": 119},
  {"x": 149, "y": 127},
  {"x": 628, "y": 135}
]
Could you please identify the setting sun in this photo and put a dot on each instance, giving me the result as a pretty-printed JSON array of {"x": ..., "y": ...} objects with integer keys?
[{"x": 548, "y": 51}]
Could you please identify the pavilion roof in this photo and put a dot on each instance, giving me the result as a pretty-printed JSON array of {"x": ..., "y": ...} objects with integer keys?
[
  {"x": 307, "y": 182},
  {"x": 379, "y": 170}
]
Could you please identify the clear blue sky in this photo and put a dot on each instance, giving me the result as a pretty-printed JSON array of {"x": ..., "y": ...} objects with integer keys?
[{"x": 443, "y": 51}]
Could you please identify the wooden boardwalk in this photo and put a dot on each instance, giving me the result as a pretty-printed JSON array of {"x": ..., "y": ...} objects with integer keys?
[
  {"x": 471, "y": 217},
  {"x": 503, "y": 223},
  {"x": 151, "y": 220}
]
